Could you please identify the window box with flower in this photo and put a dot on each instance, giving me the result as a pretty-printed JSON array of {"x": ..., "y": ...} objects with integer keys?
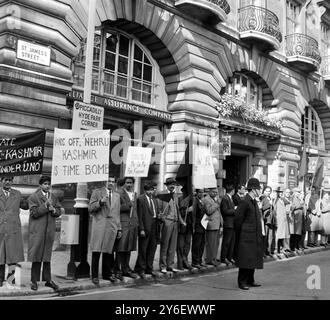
[{"x": 233, "y": 107}]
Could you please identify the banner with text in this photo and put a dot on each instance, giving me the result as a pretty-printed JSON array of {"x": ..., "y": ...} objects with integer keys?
[
  {"x": 138, "y": 162},
  {"x": 80, "y": 156},
  {"x": 22, "y": 154},
  {"x": 203, "y": 175}
]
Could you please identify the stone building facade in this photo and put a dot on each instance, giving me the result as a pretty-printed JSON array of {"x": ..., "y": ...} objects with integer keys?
[{"x": 160, "y": 68}]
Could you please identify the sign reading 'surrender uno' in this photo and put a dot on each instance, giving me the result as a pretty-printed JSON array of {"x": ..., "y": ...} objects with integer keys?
[
  {"x": 123, "y": 106},
  {"x": 23, "y": 154},
  {"x": 33, "y": 52}
]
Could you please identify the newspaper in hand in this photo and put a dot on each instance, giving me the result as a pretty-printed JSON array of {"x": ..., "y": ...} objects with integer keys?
[{"x": 205, "y": 221}]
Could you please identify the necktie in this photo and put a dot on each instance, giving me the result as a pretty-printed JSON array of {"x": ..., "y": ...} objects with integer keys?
[
  {"x": 151, "y": 203},
  {"x": 110, "y": 198},
  {"x": 7, "y": 194}
]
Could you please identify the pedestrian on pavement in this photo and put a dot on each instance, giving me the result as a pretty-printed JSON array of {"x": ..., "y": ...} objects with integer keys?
[
  {"x": 228, "y": 209},
  {"x": 250, "y": 231},
  {"x": 214, "y": 227},
  {"x": 313, "y": 222},
  {"x": 11, "y": 241},
  {"x": 280, "y": 212},
  {"x": 129, "y": 224},
  {"x": 198, "y": 238},
  {"x": 325, "y": 210},
  {"x": 239, "y": 195},
  {"x": 269, "y": 221},
  {"x": 185, "y": 231},
  {"x": 168, "y": 201},
  {"x": 296, "y": 219},
  {"x": 288, "y": 201},
  {"x": 147, "y": 211},
  {"x": 104, "y": 206},
  {"x": 44, "y": 209}
]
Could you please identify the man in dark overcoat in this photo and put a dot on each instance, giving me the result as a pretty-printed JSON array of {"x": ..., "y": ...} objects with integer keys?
[
  {"x": 11, "y": 241},
  {"x": 227, "y": 208},
  {"x": 249, "y": 232},
  {"x": 129, "y": 225},
  {"x": 44, "y": 209}
]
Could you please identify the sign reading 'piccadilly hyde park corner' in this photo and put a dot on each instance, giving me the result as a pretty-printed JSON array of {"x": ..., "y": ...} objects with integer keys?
[{"x": 23, "y": 154}]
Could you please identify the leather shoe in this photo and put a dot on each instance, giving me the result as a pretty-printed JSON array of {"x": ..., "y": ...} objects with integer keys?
[
  {"x": 52, "y": 285},
  {"x": 255, "y": 284},
  {"x": 153, "y": 273},
  {"x": 243, "y": 287},
  {"x": 95, "y": 281},
  {"x": 198, "y": 266},
  {"x": 142, "y": 275},
  {"x": 227, "y": 262},
  {"x": 173, "y": 270},
  {"x": 119, "y": 277},
  {"x": 34, "y": 286},
  {"x": 130, "y": 275}
]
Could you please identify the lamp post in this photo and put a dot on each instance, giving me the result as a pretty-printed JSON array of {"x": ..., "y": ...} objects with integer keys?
[{"x": 79, "y": 252}]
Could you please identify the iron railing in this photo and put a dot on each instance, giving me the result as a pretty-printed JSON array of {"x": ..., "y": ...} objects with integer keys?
[
  {"x": 299, "y": 44},
  {"x": 259, "y": 19},
  {"x": 325, "y": 66}
]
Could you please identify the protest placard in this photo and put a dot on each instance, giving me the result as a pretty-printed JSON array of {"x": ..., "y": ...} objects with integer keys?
[
  {"x": 138, "y": 162},
  {"x": 80, "y": 156},
  {"x": 203, "y": 172},
  {"x": 22, "y": 154}
]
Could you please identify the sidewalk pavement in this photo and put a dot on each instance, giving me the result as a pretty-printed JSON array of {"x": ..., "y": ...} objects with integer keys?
[{"x": 60, "y": 260}]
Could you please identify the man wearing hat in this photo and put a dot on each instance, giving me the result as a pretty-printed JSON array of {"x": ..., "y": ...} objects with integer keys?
[
  {"x": 170, "y": 215},
  {"x": 147, "y": 211},
  {"x": 249, "y": 232}
]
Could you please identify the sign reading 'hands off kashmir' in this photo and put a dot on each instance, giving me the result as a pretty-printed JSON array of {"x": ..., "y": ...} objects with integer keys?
[
  {"x": 137, "y": 162},
  {"x": 80, "y": 156}
]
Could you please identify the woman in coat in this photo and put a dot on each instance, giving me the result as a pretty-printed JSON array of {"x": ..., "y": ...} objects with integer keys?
[
  {"x": 325, "y": 211},
  {"x": 280, "y": 212},
  {"x": 104, "y": 206},
  {"x": 296, "y": 219},
  {"x": 44, "y": 209},
  {"x": 249, "y": 231}
]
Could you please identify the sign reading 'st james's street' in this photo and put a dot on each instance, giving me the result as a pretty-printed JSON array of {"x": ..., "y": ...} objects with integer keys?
[{"x": 23, "y": 154}]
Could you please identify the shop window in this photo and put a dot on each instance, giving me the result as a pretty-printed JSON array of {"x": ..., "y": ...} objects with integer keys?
[
  {"x": 245, "y": 87},
  {"x": 311, "y": 130},
  {"x": 122, "y": 68}
]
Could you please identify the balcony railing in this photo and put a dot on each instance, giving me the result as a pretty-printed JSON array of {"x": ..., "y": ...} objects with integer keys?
[
  {"x": 325, "y": 67},
  {"x": 259, "y": 20},
  {"x": 304, "y": 48},
  {"x": 209, "y": 11}
]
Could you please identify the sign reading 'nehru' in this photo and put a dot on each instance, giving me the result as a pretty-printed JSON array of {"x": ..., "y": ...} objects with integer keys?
[
  {"x": 23, "y": 154},
  {"x": 80, "y": 156}
]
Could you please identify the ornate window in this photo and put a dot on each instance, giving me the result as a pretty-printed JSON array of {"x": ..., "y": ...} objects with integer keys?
[
  {"x": 311, "y": 129},
  {"x": 292, "y": 13},
  {"x": 244, "y": 86},
  {"x": 123, "y": 69}
]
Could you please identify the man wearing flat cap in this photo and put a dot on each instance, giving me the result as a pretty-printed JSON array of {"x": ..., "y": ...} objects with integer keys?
[
  {"x": 170, "y": 215},
  {"x": 249, "y": 232}
]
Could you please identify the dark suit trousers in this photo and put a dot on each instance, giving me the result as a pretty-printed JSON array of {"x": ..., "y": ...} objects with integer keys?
[
  {"x": 211, "y": 245},
  {"x": 228, "y": 242},
  {"x": 35, "y": 271},
  {"x": 245, "y": 276},
  {"x": 108, "y": 262},
  {"x": 183, "y": 247},
  {"x": 197, "y": 250},
  {"x": 146, "y": 250},
  {"x": 122, "y": 262}
]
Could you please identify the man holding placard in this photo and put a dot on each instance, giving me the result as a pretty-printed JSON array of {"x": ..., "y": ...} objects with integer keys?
[
  {"x": 104, "y": 206},
  {"x": 129, "y": 225}
]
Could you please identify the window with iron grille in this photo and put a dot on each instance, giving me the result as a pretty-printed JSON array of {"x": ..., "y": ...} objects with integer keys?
[{"x": 311, "y": 129}]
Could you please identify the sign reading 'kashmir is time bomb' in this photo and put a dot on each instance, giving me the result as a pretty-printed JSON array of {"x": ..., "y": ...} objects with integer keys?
[
  {"x": 80, "y": 156},
  {"x": 22, "y": 154}
]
